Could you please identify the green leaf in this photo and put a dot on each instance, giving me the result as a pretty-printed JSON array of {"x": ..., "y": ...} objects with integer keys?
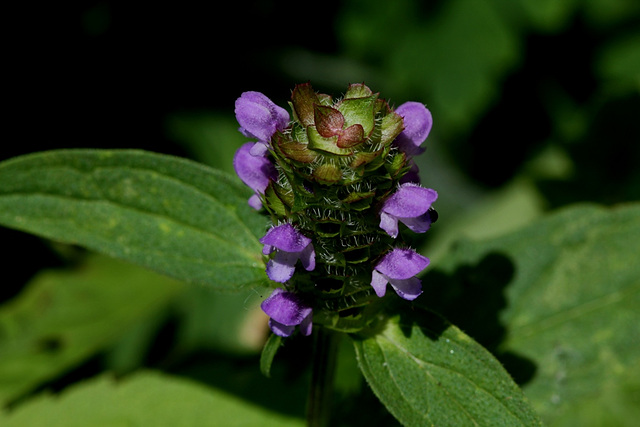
[
  {"x": 66, "y": 316},
  {"x": 557, "y": 301},
  {"x": 268, "y": 353},
  {"x": 145, "y": 399},
  {"x": 428, "y": 372},
  {"x": 169, "y": 214}
]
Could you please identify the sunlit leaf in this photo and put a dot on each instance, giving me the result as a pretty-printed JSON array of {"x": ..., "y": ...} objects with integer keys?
[
  {"x": 428, "y": 372},
  {"x": 169, "y": 214}
]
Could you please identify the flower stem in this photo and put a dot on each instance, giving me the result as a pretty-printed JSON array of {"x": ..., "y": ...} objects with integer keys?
[{"x": 324, "y": 365}]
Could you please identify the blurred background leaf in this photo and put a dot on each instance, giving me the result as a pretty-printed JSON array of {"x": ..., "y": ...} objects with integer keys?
[
  {"x": 165, "y": 213},
  {"x": 145, "y": 399},
  {"x": 64, "y": 317}
]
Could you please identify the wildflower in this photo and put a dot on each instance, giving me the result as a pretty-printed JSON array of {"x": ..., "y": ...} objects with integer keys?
[
  {"x": 417, "y": 122},
  {"x": 286, "y": 311},
  {"x": 291, "y": 246},
  {"x": 399, "y": 267},
  {"x": 259, "y": 118},
  {"x": 409, "y": 205},
  {"x": 254, "y": 171},
  {"x": 335, "y": 176}
]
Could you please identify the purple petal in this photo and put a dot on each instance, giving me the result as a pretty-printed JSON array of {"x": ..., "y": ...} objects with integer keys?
[
  {"x": 306, "y": 325},
  {"x": 259, "y": 149},
  {"x": 255, "y": 202},
  {"x": 402, "y": 264},
  {"x": 408, "y": 289},
  {"x": 286, "y": 238},
  {"x": 409, "y": 201},
  {"x": 417, "y": 122},
  {"x": 418, "y": 224},
  {"x": 254, "y": 171},
  {"x": 282, "y": 266},
  {"x": 389, "y": 223},
  {"x": 286, "y": 308},
  {"x": 267, "y": 249},
  {"x": 280, "y": 329},
  {"x": 258, "y": 116},
  {"x": 379, "y": 283},
  {"x": 308, "y": 258}
]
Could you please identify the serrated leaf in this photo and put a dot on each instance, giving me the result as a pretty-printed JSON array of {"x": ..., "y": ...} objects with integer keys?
[
  {"x": 66, "y": 316},
  {"x": 169, "y": 214},
  {"x": 145, "y": 399},
  {"x": 558, "y": 302},
  {"x": 428, "y": 372}
]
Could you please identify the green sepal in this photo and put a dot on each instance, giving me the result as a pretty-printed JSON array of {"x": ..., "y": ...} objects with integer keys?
[
  {"x": 325, "y": 99},
  {"x": 359, "y": 111},
  {"x": 328, "y": 228},
  {"x": 356, "y": 255},
  {"x": 273, "y": 201},
  {"x": 303, "y": 99},
  {"x": 295, "y": 151},
  {"x": 327, "y": 145},
  {"x": 364, "y": 157},
  {"x": 327, "y": 174},
  {"x": 392, "y": 125},
  {"x": 358, "y": 90},
  {"x": 359, "y": 200},
  {"x": 398, "y": 164}
]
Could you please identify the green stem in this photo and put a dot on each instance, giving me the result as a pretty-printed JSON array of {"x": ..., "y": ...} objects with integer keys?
[{"x": 322, "y": 376}]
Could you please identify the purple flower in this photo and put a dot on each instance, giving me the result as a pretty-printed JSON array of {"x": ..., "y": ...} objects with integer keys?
[
  {"x": 259, "y": 117},
  {"x": 286, "y": 310},
  {"x": 254, "y": 171},
  {"x": 292, "y": 246},
  {"x": 409, "y": 205},
  {"x": 399, "y": 268},
  {"x": 417, "y": 122}
]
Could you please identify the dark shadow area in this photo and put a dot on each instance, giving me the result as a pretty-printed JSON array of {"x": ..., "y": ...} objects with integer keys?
[
  {"x": 23, "y": 255},
  {"x": 521, "y": 120},
  {"x": 606, "y": 160},
  {"x": 285, "y": 391},
  {"x": 363, "y": 409},
  {"x": 472, "y": 298}
]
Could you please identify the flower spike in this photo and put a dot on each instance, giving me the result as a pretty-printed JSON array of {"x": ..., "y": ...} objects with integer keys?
[{"x": 335, "y": 176}]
